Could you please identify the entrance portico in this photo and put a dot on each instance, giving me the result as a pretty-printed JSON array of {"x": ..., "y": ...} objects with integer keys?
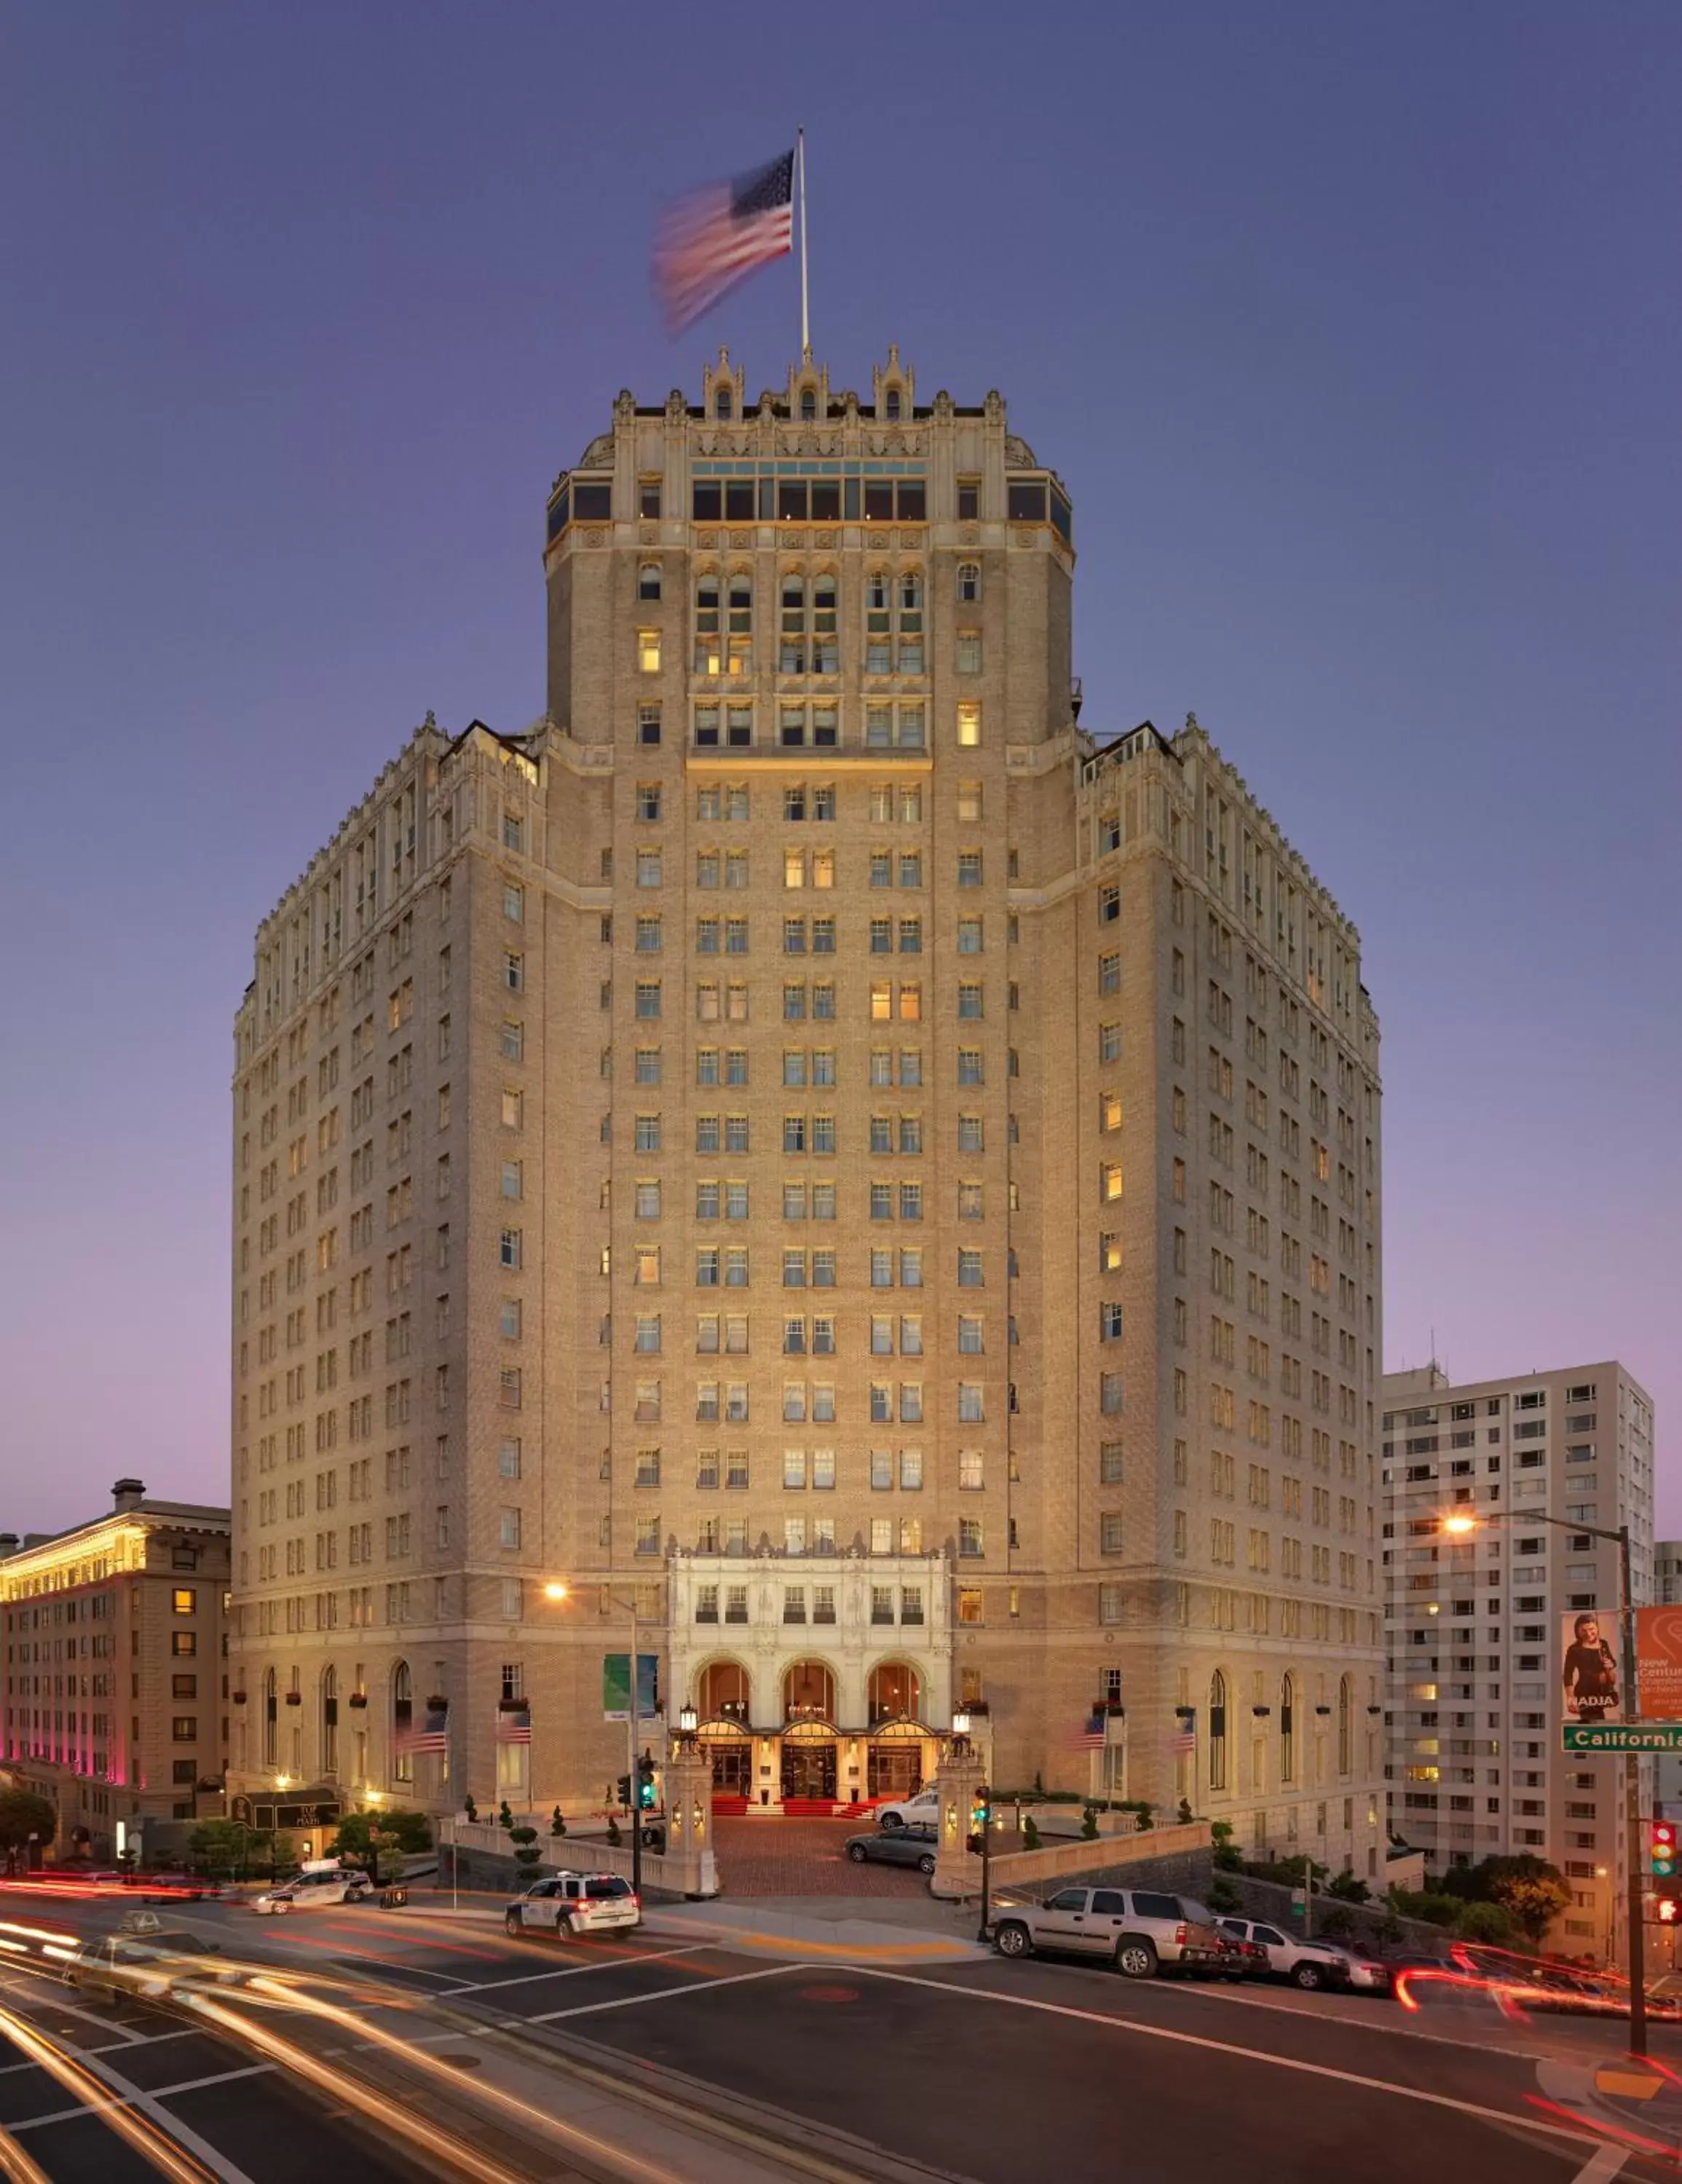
[{"x": 819, "y": 1682}]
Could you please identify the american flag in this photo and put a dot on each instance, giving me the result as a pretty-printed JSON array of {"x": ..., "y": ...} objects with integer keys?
[
  {"x": 1182, "y": 1740},
  {"x": 716, "y": 237},
  {"x": 514, "y": 1725},
  {"x": 432, "y": 1735},
  {"x": 1088, "y": 1738}
]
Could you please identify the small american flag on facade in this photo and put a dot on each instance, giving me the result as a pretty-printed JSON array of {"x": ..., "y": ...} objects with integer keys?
[
  {"x": 514, "y": 1724},
  {"x": 717, "y": 236},
  {"x": 1089, "y": 1737},
  {"x": 1184, "y": 1738},
  {"x": 433, "y": 1735}
]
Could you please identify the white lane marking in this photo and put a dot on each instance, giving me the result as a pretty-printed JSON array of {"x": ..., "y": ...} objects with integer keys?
[
  {"x": 571, "y": 1971},
  {"x": 147, "y": 2040},
  {"x": 170, "y": 2125},
  {"x": 1227, "y": 2047},
  {"x": 660, "y": 1994},
  {"x": 68, "y": 2008},
  {"x": 1601, "y": 2168}
]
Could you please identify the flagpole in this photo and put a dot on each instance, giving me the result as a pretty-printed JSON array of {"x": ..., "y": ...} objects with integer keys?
[{"x": 806, "y": 316}]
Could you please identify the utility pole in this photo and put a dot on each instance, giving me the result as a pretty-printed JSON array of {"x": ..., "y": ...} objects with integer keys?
[{"x": 1632, "y": 1807}]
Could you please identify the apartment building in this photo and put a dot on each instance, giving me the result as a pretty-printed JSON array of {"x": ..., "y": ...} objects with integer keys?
[
  {"x": 810, "y": 1145},
  {"x": 115, "y": 1700},
  {"x": 1476, "y": 1765}
]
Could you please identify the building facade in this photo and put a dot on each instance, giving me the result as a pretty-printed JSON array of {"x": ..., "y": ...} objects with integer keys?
[
  {"x": 808, "y": 1138},
  {"x": 116, "y": 1696},
  {"x": 1477, "y": 1770}
]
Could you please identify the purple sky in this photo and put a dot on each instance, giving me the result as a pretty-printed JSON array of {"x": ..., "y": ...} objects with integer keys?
[{"x": 1353, "y": 329}]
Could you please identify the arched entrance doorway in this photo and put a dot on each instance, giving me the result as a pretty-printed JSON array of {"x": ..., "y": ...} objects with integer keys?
[
  {"x": 809, "y": 1772},
  {"x": 895, "y": 1756},
  {"x": 723, "y": 1692}
]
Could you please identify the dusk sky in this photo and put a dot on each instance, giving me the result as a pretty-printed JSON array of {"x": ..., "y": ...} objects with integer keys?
[{"x": 1353, "y": 329}]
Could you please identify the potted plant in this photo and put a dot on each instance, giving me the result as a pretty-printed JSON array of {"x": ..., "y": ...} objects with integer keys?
[
  {"x": 436, "y": 1703},
  {"x": 359, "y": 1699},
  {"x": 294, "y": 1698},
  {"x": 240, "y": 1697}
]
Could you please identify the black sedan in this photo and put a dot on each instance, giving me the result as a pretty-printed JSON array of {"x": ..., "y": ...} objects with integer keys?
[{"x": 910, "y": 1846}]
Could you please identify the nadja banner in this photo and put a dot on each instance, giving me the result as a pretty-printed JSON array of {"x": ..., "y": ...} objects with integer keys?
[{"x": 1592, "y": 1673}]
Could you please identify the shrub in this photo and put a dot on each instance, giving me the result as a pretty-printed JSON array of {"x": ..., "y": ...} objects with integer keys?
[
  {"x": 1030, "y": 1833},
  {"x": 1347, "y": 1887},
  {"x": 557, "y": 1825},
  {"x": 1336, "y": 1923},
  {"x": 1227, "y": 1858},
  {"x": 469, "y": 1809},
  {"x": 505, "y": 1816},
  {"x": 1223, "y": 1895},
  {"x": 613, "y": 1834},
  {"x": 1185, "y": 1814},
  {"x": 1088, "y": 1825}
]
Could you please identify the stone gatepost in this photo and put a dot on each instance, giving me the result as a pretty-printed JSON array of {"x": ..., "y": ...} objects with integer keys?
[
  {"x": 689, "y": 1864},
  {"x": 957, "y": 1870}
]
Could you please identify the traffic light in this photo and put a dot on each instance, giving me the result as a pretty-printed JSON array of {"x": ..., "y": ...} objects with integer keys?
[
  {"x": 623, "y": 1788},
  {"x": 1666, "y": 1910},
  {"x": 1661, "y": 1848},
  {"x": 645, "y": 1784},
  {"x": 981, "y": 1817}
]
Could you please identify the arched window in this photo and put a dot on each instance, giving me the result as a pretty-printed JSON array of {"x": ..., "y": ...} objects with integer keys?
[
  {"x": 791, "y": 652},
  {"x": 401, "y": 1724},
  {"x": 1218, "y": 1731},
  {"x": 808, "y": 1693},
  {"x": 723, "y": 405},
  {"x": 878, "y": 648},
  {"x": 725, "y": 1692},
  {"x": 709, "y": 658},
  {"x": 647, "y": 581},
  {"x": 1346, "y": 1729},
  {"x": 741, "y": 632},
  {"x": 826, "y": 642},
  {"x": 1288, "y": 1729},
  {"x": 893, "y": 405},
  {"x": 910, "y": 621},
  {"x": 330, "y": 1721},
  {"x": 808, "y": 405},
  {"x": 969, "y": 581},
  {"x": 272, "y": 1716},
  {"x": 894, "y": 1693}
]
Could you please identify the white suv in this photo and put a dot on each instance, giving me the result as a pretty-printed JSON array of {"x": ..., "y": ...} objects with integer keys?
[
  {"x": 1308, "y": 1963},
  {"x": 569, "y": 1905},
  {"x": 923, "y": 1809}
]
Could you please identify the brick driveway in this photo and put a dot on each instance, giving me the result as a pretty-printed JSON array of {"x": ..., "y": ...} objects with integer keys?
[{"x": 804, "y": 1857}]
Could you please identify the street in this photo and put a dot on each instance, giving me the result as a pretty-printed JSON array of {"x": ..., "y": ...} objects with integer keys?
[{"x": 880, "y": 2056}]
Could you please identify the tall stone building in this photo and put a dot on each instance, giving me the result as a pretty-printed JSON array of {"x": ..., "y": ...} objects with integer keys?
[
  {"x": 808, "y": 1145},
  {"x": 1475, "y": 1620}
]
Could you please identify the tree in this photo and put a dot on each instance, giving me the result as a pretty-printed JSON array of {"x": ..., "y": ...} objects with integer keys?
[
  {"x": 1485, "y": 1922},
  {"x": 526, "y": 1850},
  {"x": 24, "y": 1814},
  {"x": 1532, "y": 1892},
  {"x": 229, "y": 1847},
  {"x": 409, "y": 1832}
]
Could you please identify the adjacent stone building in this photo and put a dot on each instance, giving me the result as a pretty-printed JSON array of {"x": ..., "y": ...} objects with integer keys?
[
  {"x": 115, "y": 1692},
  {"x": 811, "y": 1145},
  {"x": 1476, "y": 1765}
]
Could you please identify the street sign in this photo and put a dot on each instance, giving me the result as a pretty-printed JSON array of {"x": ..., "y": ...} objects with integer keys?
[{"x": 1622, "y": 1736}]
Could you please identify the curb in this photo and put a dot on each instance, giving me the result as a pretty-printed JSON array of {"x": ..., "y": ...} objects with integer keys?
[{"x": 757, "y": 1939}]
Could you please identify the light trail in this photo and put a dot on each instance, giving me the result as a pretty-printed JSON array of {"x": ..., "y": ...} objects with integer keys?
[{"x": 111, "y": 2106}]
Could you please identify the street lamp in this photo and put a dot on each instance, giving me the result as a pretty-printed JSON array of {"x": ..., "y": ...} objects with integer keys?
[
  {"x": 558, "y": 1590},
  {"x": 982, "y": 1810},
  {"x": 1459, "y": 1523},
  {"x": 689, "y": 1721}
]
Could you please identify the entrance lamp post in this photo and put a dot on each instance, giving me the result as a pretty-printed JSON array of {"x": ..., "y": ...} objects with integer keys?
[
  {"x": 1461, "y": 1523},
  {"x": 980, "y": 1811}
]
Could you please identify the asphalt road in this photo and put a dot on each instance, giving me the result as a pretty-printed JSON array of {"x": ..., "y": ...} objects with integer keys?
[{"x": 986, "y": 2070}]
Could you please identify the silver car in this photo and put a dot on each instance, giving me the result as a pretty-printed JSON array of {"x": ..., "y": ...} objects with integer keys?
[{"x": 1138, "y": 1930}]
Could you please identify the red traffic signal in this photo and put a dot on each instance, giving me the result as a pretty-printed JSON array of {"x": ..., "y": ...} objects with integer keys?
[{"x": 1666, "y": 1910}]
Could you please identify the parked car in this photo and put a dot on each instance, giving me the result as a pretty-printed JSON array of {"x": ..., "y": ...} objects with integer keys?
[
  {"x": 1242, "y": 1959},
  {"x": 1138, "y": 1930},
  {"x": 902, "y": 1845},
  {"x": 569, "y": 1905},
  {"x": 109, "y": 1966},
  {"x": 323, "y": 1883},
  {"x": 923, "y": 1809},
  {"x": 1310, "y": 1963}
]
